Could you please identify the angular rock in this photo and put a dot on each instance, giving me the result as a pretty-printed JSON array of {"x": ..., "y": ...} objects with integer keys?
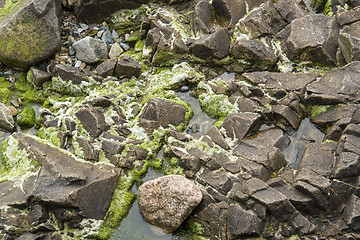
[
  {"x": 337, "y": 113},
  {"x": 218, "y": 138},
  {"x": 107, "y": 68},
  {"x": 313, "y": 192},
  {"x": 90, "y": 153},
  {"x": 68, "y": 73},
  {"x": 243, "y": 223},
  {"x": 90, "y": 50},
  {"x": 37, "y": 77},
  {"x": 161, "y": 112},
  {"x": 93, "y": 121},
  {"x": 167, "y": 201},
  {"x": 115, "y": 50},
  {"x": 112, "y": 147},
  {"x": 291, "y": 9},
  {"x": 237, "y": 125},
  {"x": 6, "y": 117},
  {"x": 213, "y": 45},
  {"x": 347, "y": 165},
  {"x": 349, "y": 42},
  {"x": 312, "y": 38},
  {"x": 347, "y": 17},
  {"x": 352, "y": 212},
  {"x": 36, "y": 18},
  {"x": 202, "y": 16},
  {"x": 219, "y": 180},
  {"x": 288, "y": 114},
  {"x": 127, "y": 67}
]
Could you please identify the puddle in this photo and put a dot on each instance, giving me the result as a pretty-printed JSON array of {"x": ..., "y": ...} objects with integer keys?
[
  {"x": 200, "y": 122},
  {"x": 297, "y": 140}
]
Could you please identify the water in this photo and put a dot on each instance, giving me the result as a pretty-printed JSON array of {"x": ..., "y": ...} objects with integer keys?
[
  {"x": 305, "y": 133},
  {"x": 200, "y": 122}
]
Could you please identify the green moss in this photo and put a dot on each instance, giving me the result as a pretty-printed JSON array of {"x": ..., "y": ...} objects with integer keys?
[
  {"x": 195, "y": 227},
  {"x": 50, "y": 134},
  {"x": 157, "y": 163},
  {"x": 317, "y": 109},
  {"x": 27, "y": 117},
  {"x": 5, "y": 92},
  {"x": 9, "y": 5},
  {"x": 216, "y": 106}
]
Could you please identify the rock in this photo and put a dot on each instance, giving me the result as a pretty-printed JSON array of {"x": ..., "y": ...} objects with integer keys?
[
  {"x": 312, "y": 38},
  {"x": 6, "y": 117},
  {"x": 219, "y": 180},
  {"x": 93, "y": 121},
  {"x": 161, "y": 112},
  {"x": 202, "y": 16},
  {"x": 238, "y": 125},
  {"x": 167, "y": 201},
  {"x": 115, "y": 50},
  {"x": 349, "y": 42},
  {"x": 127, "y": 67},
  {"x": 347, "y": 165},
  {"x": 68, "y": 73},
  {"x": 97, "y": 10},
  {"x": 90, "y": 50},
  {"x": 313, "y": 192},
  {"x": 64, "y": 182},
  {"x": 90, "y": 153},
  {"x": 242, "y": 223},
  {"x": 37, "y": 77},
  {"x": 112, "y": 147},
  {"x": 255, "y": 52},
  {"x": 218, "y": 138},
  {"x": 38, "y": 19},
  {"x": 291, "y": 9},
  {"x": 27, "y": 236},
  {"x": 347, "y": 17},
  {"x": 352, "y": 212},
  {"x": 107, "y": 68},
  {"x": 212, "y": 45}
]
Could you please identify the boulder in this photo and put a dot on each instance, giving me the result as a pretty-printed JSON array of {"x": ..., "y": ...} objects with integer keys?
[
  {"x": 64, "y": 182},
  {"x": 349, "y": 42},
  {"x": 93, "y": 121},
  {"x": 6, "y": 117},
  {"x": 95, "y": 11},
  {"x": 127, "y": 67},
  {"x": 215, "y": 45},
  {"x": 167, "y": 201},
  {"x": 312, "y": 38},
  {"x": 30, "y": 33},
  {"x": 90, "y": 50}
]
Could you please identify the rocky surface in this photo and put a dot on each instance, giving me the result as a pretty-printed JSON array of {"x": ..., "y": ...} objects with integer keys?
[{"x": 255, "y": 103}]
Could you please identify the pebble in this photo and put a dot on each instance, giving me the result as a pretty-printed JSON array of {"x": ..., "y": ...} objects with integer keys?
[
  {"x": 127, "y": 36},
  {"x": 107, "y": 37},
  {"x": 115, "y": 50},
  {"x": 184, "y": 89},
  {"x": 83, "y": 65},
  {"x": 61, "y": 58},
  {"x": 100, "y": 33},
  {"x": 77, "y": 63},
  {"x": 71, "y": 51},
  {"x": 114, "y": 34},
  {"x": 125, "y": 46}
]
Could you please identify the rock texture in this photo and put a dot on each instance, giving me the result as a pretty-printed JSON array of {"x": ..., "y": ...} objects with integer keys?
[{"x": 167, "y": 201}]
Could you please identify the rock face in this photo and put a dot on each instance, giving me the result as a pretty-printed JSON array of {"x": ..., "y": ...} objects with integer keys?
[
  {"x": 62, "y": 181},
  {"x": 36, "y": 18},
  {"x": 167, "y": 201}
]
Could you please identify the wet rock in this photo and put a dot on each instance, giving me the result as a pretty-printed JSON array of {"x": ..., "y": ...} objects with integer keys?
[
  {"x": 243, "y": 223},
  {"x": 218, "y": 138},
  {"x": 37, "y": 77},
  {"x": 254, "y": 51},
  {"x": 112, "y": 147},
  {"x": 127, "y": 67},
  {"x": 36, "y": 18},
  {"x": 238, "y": 125},
  {"x": 93, "y": 121},
  {"x": 64, "y": 182},
  {"x": 107, "y": 68},
  {"x": 68, "y": 73},
  {"x": 202, "y": 16},
  {"x": 6, "y": 117},
  {"x": 349, "y": 42},
  {"x": 90, "y": 50},
  {"x": 161, "y": 112},
  {"x": 352, "y": 212},
  {"x": 213, "y": 45},
  {"x": 97, "y": 10},
  {"x": 336, "y": 86},
  {"x": 312, "y": 38},
  {"x": 167, "y": 201}
]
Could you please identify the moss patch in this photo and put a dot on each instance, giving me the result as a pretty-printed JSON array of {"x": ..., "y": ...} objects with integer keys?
[
  {"x": 9, "y": 5},
  {"x": 26, "y": 118}
]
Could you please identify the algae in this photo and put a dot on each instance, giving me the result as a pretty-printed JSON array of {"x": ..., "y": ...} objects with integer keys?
[
  {"x": 26, "y": 118},
  {"x": 9, "y": 5}
]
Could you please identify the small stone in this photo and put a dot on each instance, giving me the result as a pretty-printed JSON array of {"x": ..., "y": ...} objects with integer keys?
[
  {"x": 184, "y": 89},
  {"x": 107, "y": 37},
  {"x": 100, "y": 33},
  {"x": 90, "y": 50},
  {"x": 125, "y": 46},
  {"x": 6, "y": 117},
  {"x": 115, "y": 50},
  {"x": 127, "y": 67},
  {"x": 114, "y": 34}
]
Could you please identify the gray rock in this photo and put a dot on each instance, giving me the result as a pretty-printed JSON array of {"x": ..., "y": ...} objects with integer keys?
[
  {"x": 219, "y": 180},
  {"x": 352, "y": 212},
  {"x": 347, "y": 17},
  {"x": 107, "y": 37},
  {"x": 167, "y": 201},
  {"x": 37, "y": 18},
  {"x": 312, "y": 38},
  {"x": 212, "y": 45},
  {"x": 6, "y": 117},
  {"x": 237, "y": 125},
  {"x": 161, "y": 112},
  {"x": 127, "y": 67},
  {"x": 27, "y": 236},
  {"x": 202, "y": 16},
  {"x": 243, "y": 223},
  {"x": 90, "y": 50},
  {"x": 93, "y": 121},
  {"x": 107, "y": 68},
  {"x": 37, "y": 77},
  {"x": 347, "y": 165},
  {"x": 115, "y": 50},
  {"x": 291, "y": 9},
  {"x": 349, "y": 42}
]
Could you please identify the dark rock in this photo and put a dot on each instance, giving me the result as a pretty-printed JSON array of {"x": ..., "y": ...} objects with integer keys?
[
  {"x": 68, "y": 73},
  {"x": 347, "y": 17},
  {"x": 219, "y": 180},
  {"x": 190, "y": 163},
  {"x": 167, "y": 201},
  {"x": 352, "y": 129},
  {"x": 37, "y": 77},
  {"x": 313, "y": 192},
  {"x": 300, "y": 224},
  {"x": 255, "y": 169},
  {"x": 237, "y": 125},
  {"x": 254, "y": 185},
  {"x": 254, "y": 51},
  {"x": 237, "y": 193},
  {"x": 6, "y": 117},
  {"x": 93, "y": 121},
  {"x": 37, "y": 18},
  {"x": 102, "y": 102},
  {"x": 127, "y": 67},
  {"x": 318, "y": 181},
  {"x": 349, "y": 42},
  {"x": 291, "y": 9},
  {"x": 112, "y": 147},
  {"x": 107, "y": 68},
  {"x": 97, "y": 10},
  {"x": 214, "y": 45},
  {"x": 179, "y": 135},
  {"x": 141, "y": 153},
  {"x": 202, "y": 17},
  {"x": 335, "y": 114},
  {"x": 288, "y": 114},
  {"x": 347, "y": 165},
  {"x": 312, "y": 38},
  {"x": 242, "y": 223},
  {"x": 160, "y": 112},
  {"x": 352, "y": 212},
  {"x": 218, "y": 138},
  {"x": 37, "y": 214}
]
